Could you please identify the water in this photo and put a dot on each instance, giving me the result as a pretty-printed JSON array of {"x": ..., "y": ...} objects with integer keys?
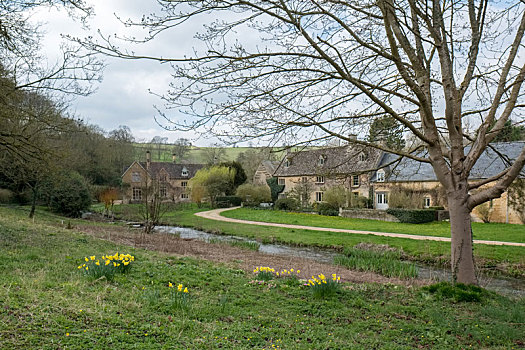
[{"x": 507, "y": 286}]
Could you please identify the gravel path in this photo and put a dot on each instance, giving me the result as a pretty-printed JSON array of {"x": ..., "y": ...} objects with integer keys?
[{"x": 216, "y": 215}]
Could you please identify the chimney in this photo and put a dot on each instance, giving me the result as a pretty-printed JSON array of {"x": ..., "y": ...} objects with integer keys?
[
  {"x": 148, "y": 160},
  {"x": 173, "y": 157}
]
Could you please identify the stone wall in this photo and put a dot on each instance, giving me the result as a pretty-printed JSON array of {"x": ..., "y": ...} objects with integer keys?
[{"x": 371, "y": 214}]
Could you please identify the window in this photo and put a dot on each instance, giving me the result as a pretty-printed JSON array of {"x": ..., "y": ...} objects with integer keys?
[
  {"x": 163, "y": 177},
  {"x": 321, "y": 160},
  {"x": 288, "y": 162},
  {"x": 135, "y": 177},
  {"x": 304, "y": 179},
  {"x": 163, "y": 192},
  {"x": 282, "y": 182},
  {"x": 184, "y": 184},
  {"x": 184, "y": 196},
  {"x": 319, "y": 196},
  {"x": 184, "y": 171},
  {"x": 136, "y": 193},
  {"x": 355, "y": 180},
  {"x": 380, "y": 176},
  {"x": 362, "y": 157},
  {"x": 319, "y": 180},
  {"x": 426, "y": 202},
  {"x": 382, "y": 198}
]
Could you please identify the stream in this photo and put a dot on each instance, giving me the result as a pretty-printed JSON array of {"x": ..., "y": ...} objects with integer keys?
[{"x": 503, "y": 285}]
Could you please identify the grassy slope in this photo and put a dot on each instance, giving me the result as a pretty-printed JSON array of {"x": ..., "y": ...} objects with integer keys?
[
  {"x": 492, "y": 231},
  {"x": 47, "y": 303}
]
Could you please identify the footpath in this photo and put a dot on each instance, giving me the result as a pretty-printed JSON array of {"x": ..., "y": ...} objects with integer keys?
[{"x": 215, "y": 214}]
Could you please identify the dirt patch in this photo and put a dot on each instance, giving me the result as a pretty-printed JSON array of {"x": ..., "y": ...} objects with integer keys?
[{"x": 237, "y": 257}]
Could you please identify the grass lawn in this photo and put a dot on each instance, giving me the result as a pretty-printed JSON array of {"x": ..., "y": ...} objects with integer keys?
[
  {"x": 491, "y": 232},
  {"x": 47, "y": 302}
]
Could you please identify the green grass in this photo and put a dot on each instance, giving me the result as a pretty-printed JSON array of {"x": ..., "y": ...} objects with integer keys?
[
  {"x": 45, "y": 302},
  {"x": 386, "y": 263},
  {"x": 240, "y": 244},
  {"x": 491, "y": 232}
]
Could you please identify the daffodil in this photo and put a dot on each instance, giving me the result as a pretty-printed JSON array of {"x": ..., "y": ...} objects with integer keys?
[
  {"x": 170, "y": 285},
  {"x": 185, "y": 290},
  {"x": 179, "y": 287}
]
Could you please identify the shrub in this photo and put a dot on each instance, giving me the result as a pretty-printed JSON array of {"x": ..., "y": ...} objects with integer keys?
[
  {"x": 286, "y": 204},
  {"x": 405, "y": 198},
  {"x": 327, "y": 209},
  {"x": 359, "y": 202},
  {"x": 229, "y": 201},
  {"x": 484, "y": 210},
  {"x": 275, "y": 188},
  {"x": 413, "y": 216},
  {"x": 254, "y": 194},
  {"x": 335, "y": 197},
  {"x": 6, "y": 196},
  {"x": 70, "y": 194},
  {"x": 457, "y": 292}
]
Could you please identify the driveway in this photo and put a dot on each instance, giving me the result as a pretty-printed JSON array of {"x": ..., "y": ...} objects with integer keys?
[{"x": 215, "y": 214}]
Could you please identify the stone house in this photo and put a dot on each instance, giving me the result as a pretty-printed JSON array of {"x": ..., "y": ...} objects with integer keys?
[
  {"x": 308, "y": 174},
  {"x": 419, "y": 177},
  {"x": 170, "y": 178},
  {"x": 265, "y": 171}
]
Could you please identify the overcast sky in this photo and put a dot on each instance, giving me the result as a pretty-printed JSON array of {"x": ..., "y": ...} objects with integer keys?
[{"x": 123, "y": 98}]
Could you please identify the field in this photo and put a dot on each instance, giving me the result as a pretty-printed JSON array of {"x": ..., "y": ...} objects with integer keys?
[{"x": 48, "y": 302}]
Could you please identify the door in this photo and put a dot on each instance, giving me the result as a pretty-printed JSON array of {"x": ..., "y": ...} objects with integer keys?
[{"x": 381, "y": 200}]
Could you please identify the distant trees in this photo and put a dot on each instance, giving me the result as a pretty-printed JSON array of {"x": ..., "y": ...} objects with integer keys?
[
  {"x": 181, "y": 148},
  {"x": 387, "y": 130},
  {"x": 159, "y": 142},
  {"x": 213, "y": 155},
  {"x": 252, "y": 158},
  {"x": 510, "y": 132}
]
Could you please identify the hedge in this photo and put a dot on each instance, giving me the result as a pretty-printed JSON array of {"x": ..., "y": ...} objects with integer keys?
[
  {"x": 413, "y": 216},
  {"x": 228, "y": 201}
]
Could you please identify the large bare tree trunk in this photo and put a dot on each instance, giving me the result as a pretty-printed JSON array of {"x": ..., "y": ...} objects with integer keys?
[{"x": 463, "y": 268}]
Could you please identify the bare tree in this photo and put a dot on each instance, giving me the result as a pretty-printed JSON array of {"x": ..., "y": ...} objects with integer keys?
[{"x": 329, "y": 68}]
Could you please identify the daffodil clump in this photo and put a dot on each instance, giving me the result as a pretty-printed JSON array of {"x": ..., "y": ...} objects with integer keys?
[
  {"x": 265, "y": 273},
  {"x": 322, "y": 287},
  {"x": 107, "y": 265},
  {"x": 180, "y": 296}
]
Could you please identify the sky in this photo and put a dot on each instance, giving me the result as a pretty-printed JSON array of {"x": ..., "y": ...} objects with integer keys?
[{"x": 122, "y": 98}]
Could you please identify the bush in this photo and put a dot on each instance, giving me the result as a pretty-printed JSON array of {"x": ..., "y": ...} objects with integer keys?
[
  {"x": 405, "y": 198},
  {"x": 6, "y": 196},
  {"x": 70, "y": 194},
  {"x": 286, "y": 204},
  {"x": 413, "y": 216},
  {"x": 228, "y": 201},
  {"x": 254, "y": 194},
  {"x": 327, "y": 209},
  {"x": 335, "y": 197},
  {"x": 360, "y": 202}
]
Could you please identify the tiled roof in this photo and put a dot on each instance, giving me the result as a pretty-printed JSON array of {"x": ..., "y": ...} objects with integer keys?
[
  {"x": 270, "y": 165},
  {"x": 350, "y": 159},
  {"x": 489, "y": 164},
  {"x": 174, "y": 170}
]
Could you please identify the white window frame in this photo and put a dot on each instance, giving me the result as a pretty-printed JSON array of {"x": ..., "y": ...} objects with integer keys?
[
  {"x": 319, "y": 196},
  {"x": 381, "y": 198},
  {"x": 184, "y": 196},
  {"x": 427, "y": 202},
  {"x": 321, "y": 160},
  {"x": 184, "y": 184},
  {"x": 380, "y": 176},
  {"x": 184, "y": 172},
  {"x": 319, "y": 180},
  {"x": 281, "y": 182}
]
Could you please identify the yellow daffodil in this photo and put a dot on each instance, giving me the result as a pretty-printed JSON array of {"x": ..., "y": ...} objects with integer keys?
[
  {"x": 92, "y": 257},
  {"x": 86, "y": 259},
  {"x": 170, "y": 285},
  {"x": 107, "y": 262},
  {"x": 97, "y": 263},
  {"x": 185, "y": 290},
  {"x": 179, "y": 287}
]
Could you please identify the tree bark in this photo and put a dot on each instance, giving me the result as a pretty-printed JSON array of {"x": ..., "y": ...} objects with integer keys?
[
  {"x": 33, "y": 202},
  {"x": 463, "y": 267}
]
